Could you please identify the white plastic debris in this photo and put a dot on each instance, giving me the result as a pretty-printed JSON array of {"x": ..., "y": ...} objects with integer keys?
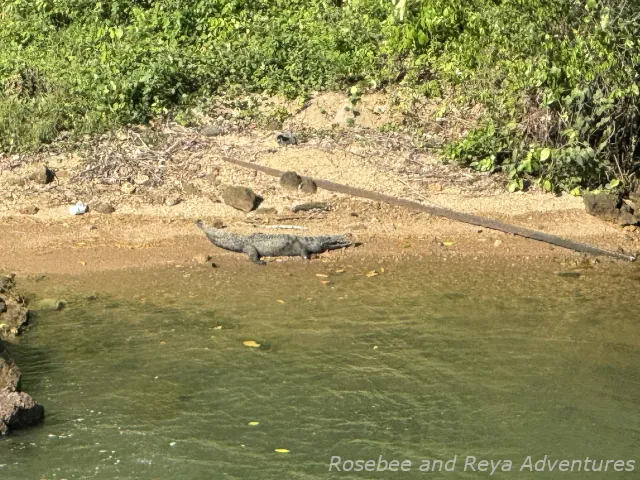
[{"x": 78, "y": 209}]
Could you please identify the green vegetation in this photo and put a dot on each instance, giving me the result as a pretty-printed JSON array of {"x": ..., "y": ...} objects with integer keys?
[{"x": 557, "y": 79}]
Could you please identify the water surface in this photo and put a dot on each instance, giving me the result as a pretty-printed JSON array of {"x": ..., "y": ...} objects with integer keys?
[{"x": 150, "y": 379}]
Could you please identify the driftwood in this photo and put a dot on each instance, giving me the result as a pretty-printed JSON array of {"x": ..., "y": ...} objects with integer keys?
[{"x": 450, "y": 214}]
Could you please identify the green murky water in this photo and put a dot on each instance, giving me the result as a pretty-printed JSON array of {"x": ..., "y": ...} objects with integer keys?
[{"x": 420, "y": 362}]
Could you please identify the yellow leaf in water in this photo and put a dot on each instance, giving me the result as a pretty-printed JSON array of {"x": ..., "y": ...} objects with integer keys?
[
  {"x": 322, "y": 275},
  {"x": 250, "y": 343},
  {"x": 280, "y": 301},
  {"x": 340, "y": 271},
  {"x": 3, "y": 325},
  {"x": 447, "y": 244},
  {"x": 382, "y": 270},
  {"x": 218, "y": 327},
  {"x": 253, "y": 424},
  {"x": 324, "y": 281},
  {"x": 372, "y": 273},
  {"x": 282, "y": 450},
  {"x": 82, "y": 263}
]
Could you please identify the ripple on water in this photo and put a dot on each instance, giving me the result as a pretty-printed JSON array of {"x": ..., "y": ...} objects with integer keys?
[{"x": 408, "y": 364}]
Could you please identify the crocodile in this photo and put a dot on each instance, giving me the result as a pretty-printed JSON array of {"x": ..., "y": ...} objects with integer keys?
[{"x": 258, "y": 245}]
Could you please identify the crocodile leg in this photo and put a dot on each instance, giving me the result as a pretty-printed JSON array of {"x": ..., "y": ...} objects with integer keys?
[{"x": 253, "y": 254}]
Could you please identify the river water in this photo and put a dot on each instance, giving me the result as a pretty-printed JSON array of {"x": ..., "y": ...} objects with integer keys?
[{"x": 144, "y": 375}]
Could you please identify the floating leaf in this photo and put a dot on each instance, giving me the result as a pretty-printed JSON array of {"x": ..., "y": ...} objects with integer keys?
[
  {"x": 340, "y": 271},
  {"x": 324, "y": 282},
  {"x": 447, "y": 244},
  {"x": 250, "y": 343},
  {"x": 372, "y": 273},
  {"x": 322, "y": 275},
  {"x": 282, "y": 450},
  {"x": 280, "y": 301},
  {"x": 381, "y": 270},
  {"x": 253, "y": 424},
  {"x": 218, "y": 327}
]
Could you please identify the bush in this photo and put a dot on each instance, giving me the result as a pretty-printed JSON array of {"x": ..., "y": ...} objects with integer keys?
[
  {"x": 126, "y": 61},
  {"x": 558, "y": 80}
]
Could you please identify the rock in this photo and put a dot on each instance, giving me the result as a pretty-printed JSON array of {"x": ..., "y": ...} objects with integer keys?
[
  {"x": 202, "y": 258},
  {"x": 128, "y": 188},
  {"x": 29, "y": 210},
  {"x": 172, "y": 200},
  {"x": 240, "y": 198},
  {"x": 610, "y": 208},
  {"x": 52, "y": 304},
  {"x": 305, "y": 207},
  {"x": 212, "y": 131},
  {"x": 104, "y": 208},
  {"x": 40, "y": 174},
  {"x": 290, "y": 180},
  {"x": 266, "y": 211},
  {"x": 286, "y": 138},
  {"x": 308, "y": 186},
  {"x": 141, "y": 180},
  {"x": 17, "y": 409}
]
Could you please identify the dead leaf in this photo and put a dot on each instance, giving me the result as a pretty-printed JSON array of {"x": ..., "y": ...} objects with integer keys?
[
  {"x": 372, "y": 273},
  {"x": 447, "y": 244},
  {"x": 280, "y": 301},
  {"x": 282, "y": 450},
  {"x": 322, "y": 275},
  {"x": 253, "y": 424},
  {"x": 250, "y": 343}
]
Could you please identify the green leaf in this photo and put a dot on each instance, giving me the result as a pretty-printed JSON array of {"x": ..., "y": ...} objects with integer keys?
[
  {"x": 612, "y": 184},
  {"x": 545, "y": 154}
]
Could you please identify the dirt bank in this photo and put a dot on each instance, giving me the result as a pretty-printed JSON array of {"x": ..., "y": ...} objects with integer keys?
[{"x": 160, "y": 181}]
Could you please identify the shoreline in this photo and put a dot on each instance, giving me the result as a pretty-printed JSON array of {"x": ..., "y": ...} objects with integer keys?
[{"x": 152, "y": 193}]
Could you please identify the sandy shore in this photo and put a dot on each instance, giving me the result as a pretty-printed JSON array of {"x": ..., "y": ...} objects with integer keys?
[{"x": 180, "y": 179}]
